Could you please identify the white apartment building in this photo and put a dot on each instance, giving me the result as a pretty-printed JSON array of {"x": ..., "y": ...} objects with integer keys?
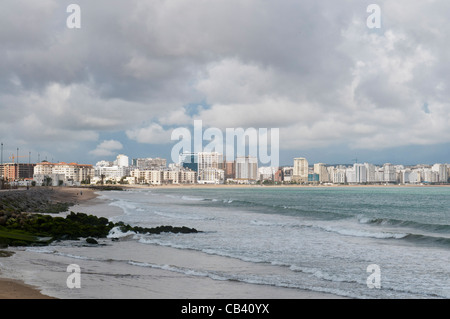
[
  {"x": 441, "y": 170},
  {"x": 210, "y": 168},
  {"x": 338, "y": 175},
  {"x": 122, "y": 161},
  {"x": 301, "y": 170},
  {"x": 187, "y": 177},
  {"x": 267, "y": 173},
  {"x": 321, "y": 170},
  {"x": 43, "y": 168},
  {"x": 350, "y": 175},
  {"x": 152, "y": 177},
  {"x": 113, "y": 171},
  {"x": 72, "y": 172},
  {"x": 159, "y": 177},
  {"x": 170, "y": 177},
  {"x": 429, "y": 176},
  {"x": 370, "y": 173},
  {"x": 211, "y": 176},
  {"x": 390, "y": 173},
  {"x": 209, "y": 160},
  {"x": 360, "y": 173}
]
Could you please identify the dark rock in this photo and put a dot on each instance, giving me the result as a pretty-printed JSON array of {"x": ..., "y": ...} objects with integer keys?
[
  {"x": 4, "y": 253},
  {"x": 92, "y": 241}
]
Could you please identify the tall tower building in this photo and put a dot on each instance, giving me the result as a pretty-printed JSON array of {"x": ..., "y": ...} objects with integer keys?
[
  {"x": 300, "y": 170},
  {"x": 122, "y": 160},
  {"x": 246, "y": 168},
  {"x": 321, "y": 170},
  {"x": 360, "y": 173}
]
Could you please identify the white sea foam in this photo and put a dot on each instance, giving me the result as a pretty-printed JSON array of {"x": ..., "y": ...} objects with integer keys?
[
  {"x": 41, "y": 250},
  {"x": 192, "y": 198},
  {"x": 115, "y": 232},
  {"x": 364, "y": 233},
  {"x": 56, "y": 253},
  {"x": 181, "y": 215},
  {"x": 127, "y": 207}
]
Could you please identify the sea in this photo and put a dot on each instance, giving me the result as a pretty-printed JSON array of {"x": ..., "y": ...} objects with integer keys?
[{"x": 356, "y": 242}]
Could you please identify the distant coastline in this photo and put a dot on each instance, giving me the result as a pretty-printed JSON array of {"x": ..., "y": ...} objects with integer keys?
[{"x": 216, "y": 186}]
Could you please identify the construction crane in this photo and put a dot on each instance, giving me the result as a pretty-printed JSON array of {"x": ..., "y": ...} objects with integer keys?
[{"x": 13, "y": 157}]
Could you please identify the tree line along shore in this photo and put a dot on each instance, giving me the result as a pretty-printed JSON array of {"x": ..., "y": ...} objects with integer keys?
[{"x": 30, "y": 218}]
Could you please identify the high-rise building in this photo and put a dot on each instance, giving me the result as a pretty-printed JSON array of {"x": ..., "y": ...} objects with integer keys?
[
  {"x": 441, "y": 169},
  {"x": 246, "y": 168},
  {"x": 360, "y": 173},
  {"x": 209, "y": 160},
  {"x": 321, "y": 170},
  {"x": 301, "y": 169},
  {"x": 210, "y": 168},
  {"x": 338, "y": 175},
  {"x": 390, "y": 174},
  {"x": 370, "y": 171},
  {"x": 122, "y": 160},
  {"x": 189, "y": 161},
  {"x": 350, "y": 175},
  {"x": 229, "y": 169}
]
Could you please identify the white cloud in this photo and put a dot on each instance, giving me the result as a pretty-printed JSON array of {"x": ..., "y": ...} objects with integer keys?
[
  {"x": 177, "y": 117},
  {"x": 152, "y": 134},
  {"x": 107, "y": 148}
]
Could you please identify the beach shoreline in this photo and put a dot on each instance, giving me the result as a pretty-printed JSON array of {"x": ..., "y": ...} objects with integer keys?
[
  {"x": 17, "y": 289},
  {"x": 173, "y": 287}
]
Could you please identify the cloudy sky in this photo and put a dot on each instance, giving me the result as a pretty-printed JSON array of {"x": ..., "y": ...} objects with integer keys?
[{"x": 137, "y": 69}]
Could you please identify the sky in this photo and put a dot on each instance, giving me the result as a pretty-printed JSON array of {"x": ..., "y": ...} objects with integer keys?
[{"x": 337, "y": 90}]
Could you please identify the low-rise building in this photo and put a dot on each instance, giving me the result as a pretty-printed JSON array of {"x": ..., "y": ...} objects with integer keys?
[
  {"x": 73, "y": 173},
  {"x": 159, "y": 177}
]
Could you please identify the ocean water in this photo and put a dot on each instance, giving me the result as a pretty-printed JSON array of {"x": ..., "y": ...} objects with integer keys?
[
  {"x": 318, "y": 239},
  {"x": 325, "y": 237}
]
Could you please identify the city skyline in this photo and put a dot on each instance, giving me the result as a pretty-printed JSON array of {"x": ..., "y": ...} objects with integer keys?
[
  {"x": 212, "y": 168},
  {"x": 32, "y": 158},
  {"x": 133, "y": 72}
]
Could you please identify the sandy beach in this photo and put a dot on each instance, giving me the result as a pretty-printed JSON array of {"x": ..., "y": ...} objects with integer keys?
[{"x": 15, "y": 289}]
